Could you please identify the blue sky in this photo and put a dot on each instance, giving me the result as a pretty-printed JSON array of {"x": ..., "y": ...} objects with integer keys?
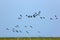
[{"x": 11, "y": 9}]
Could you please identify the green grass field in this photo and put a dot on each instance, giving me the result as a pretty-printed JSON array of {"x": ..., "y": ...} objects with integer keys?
[{"x": 29, "y": 38}]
